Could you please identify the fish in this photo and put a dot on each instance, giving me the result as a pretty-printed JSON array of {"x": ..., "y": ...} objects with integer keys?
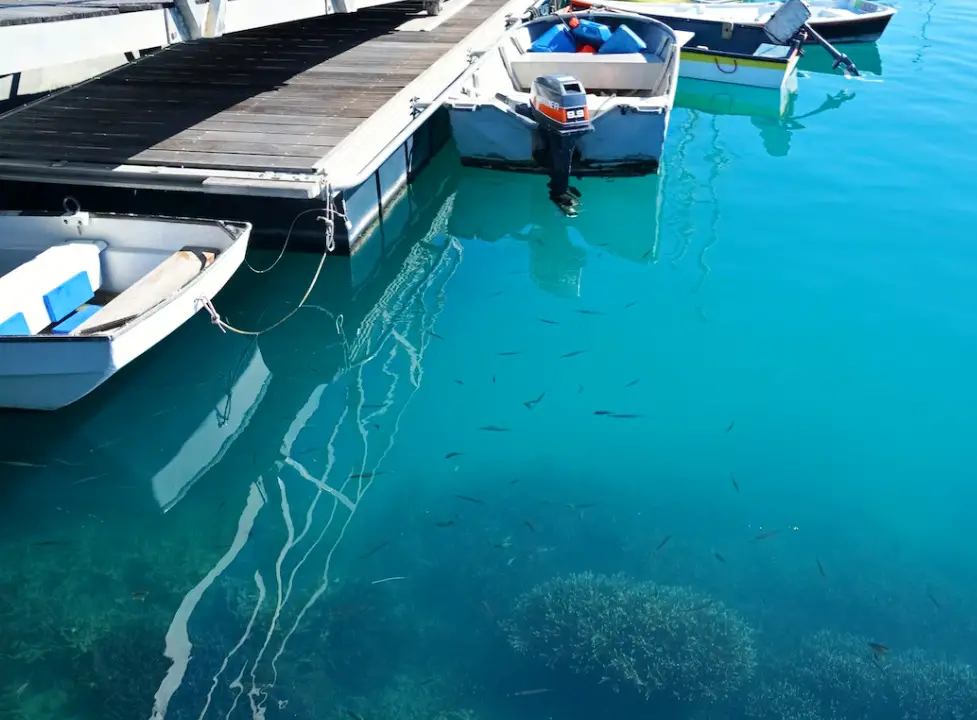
[
  {"x": 430, "y": 680},
  {"x": 579, "y": 389},
  {"x": 488, "y": 609},
  {"x": 20, "y": 464},
  {"x": 633, "y": 383},
  {"x": 572, "y": 353},
  {"x": 493, "y": 378},
  {"x": 375, "y": 550},
  {"x": 631, "y": 304},
  {"x": 452, "y": 454},
  {"x": 508, "y": 563},
  {"x": 459, "y": 382},
  {"x": 140, "y": 595},
  {"x": 933, "y": 600},
  {"x": 494, "y": 428},
  {"x": 736, "y": 485},
  {"x": 444, "y": 523},
  {"x": 878, "y": 649},
  {"x": 603, "y": 412},
  {"x": 435, "y": 335},
  {"x": 355, "y": 716},
  {"x": 497, "y": 293},
  {"x": 663, "y": 543},
  {"x": 730, "y": 426},
  {"x": 820, "y": 568},
  {"x": 548, "y": 322},
  {"x": 510, "y": 352},
  {"x": 44, "y": 543},
  {"x": 647, "y": 253},
  {"x": 506, "y": 543},
  {"x": 530, "y": 404},
  {"x": 513, "y": 482},
  {"x": 88, "y": 478},
  {"x": 626, "y": 416},
  {"x": 529, "y": 525},
  {"x": 719, "y": 557},
  {"x": 535, "y": 691},
  {"x": 589, "y": 312},
  {"x": 468, "y": 498},
  {"x": 766, "y": 534},
  {"x": 584, "y": 506}
]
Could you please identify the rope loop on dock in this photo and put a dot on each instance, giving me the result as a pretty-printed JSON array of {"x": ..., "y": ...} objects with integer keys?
[{"x": 329, "y": 245}]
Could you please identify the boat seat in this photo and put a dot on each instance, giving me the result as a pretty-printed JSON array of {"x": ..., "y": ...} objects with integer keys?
[
  {"x": 74, "y": 320},
  {"x": 639, "y": 71},
  {"x": 49, "y": 287},
  {"x": 160, "y": 284}
]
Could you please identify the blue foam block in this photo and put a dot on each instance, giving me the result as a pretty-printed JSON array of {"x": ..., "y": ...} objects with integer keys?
[
  {"x": 67, "y": 297},
  {"x": 556, "y": 39},
  {"x": 16, "y": 324},
  {"x": 624, "y": 40},
  {"x": 75, "y": 319}
]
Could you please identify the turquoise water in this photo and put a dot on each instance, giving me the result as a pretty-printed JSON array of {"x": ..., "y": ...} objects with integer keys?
[{"x": 731, "y": 420}]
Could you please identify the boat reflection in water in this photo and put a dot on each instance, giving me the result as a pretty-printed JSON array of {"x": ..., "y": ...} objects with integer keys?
[
  {"x": 774, "y": 114},
  {"x": 558, "y": 245}
]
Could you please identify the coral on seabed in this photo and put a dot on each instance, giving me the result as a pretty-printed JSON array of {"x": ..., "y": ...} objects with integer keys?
[
  {"x": 836, "y": 676},
  {"x": 657, "y": 640}
]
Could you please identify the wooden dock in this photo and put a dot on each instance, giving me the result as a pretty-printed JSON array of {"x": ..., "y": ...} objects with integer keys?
[{"x": 291, "y": 111}]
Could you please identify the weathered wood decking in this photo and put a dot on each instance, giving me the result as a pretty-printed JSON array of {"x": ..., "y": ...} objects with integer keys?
[
  {"x": 269, "y": 99},
  {"x": 26, "y": 12}
]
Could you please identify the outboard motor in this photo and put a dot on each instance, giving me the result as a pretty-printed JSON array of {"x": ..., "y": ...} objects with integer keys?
[{"x": 558, "y": 104}]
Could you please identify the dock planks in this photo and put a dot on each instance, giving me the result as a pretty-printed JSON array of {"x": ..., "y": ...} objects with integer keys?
[
  {"x": 270, "y": 99},
  {"x": 28, "y": 12}
]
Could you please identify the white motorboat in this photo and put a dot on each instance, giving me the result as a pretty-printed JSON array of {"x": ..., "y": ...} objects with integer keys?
[
  {"x": 837, "y": 21},
  {"x": 570, "y": 93},
  {"x": 84, "y": 294}
]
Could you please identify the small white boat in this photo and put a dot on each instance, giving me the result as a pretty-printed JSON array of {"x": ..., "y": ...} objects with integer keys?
[
  {"x": 760, "y": 56},
  {"x": 84, "y": 294},
  {"x": 548, "y": 99},
  {"x": 837, "y": 21}
]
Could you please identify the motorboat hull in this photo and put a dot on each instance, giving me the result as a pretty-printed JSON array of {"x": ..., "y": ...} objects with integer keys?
[
  {"x": 734, "y": 69},
  {"x": 629, "y": 142}
]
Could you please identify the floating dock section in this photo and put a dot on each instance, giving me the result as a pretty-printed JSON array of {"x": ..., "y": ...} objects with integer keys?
[{"x": 258, "y": 124}]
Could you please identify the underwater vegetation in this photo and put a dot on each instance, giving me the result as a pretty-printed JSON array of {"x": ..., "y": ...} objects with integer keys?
[
  {"x": 840, "y": 676},
  {"x": 671, "y": 643},
  {"x": 653, "y": 639}
]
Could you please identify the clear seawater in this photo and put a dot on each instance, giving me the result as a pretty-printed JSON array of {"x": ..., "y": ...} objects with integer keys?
[{"x": 734, "y": 413}]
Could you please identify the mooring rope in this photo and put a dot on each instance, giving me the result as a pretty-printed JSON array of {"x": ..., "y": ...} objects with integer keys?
[{"x": 329, "y": 245}]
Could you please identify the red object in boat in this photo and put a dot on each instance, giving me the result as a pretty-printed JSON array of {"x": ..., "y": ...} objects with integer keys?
[{"x": 586, "y": 49}]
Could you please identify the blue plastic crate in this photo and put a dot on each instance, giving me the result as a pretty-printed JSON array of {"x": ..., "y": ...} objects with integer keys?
[
  {"x": 556, "y": 39},
  {"x": 592, "y": 33},
  {"x": 624, "y": 40}
]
